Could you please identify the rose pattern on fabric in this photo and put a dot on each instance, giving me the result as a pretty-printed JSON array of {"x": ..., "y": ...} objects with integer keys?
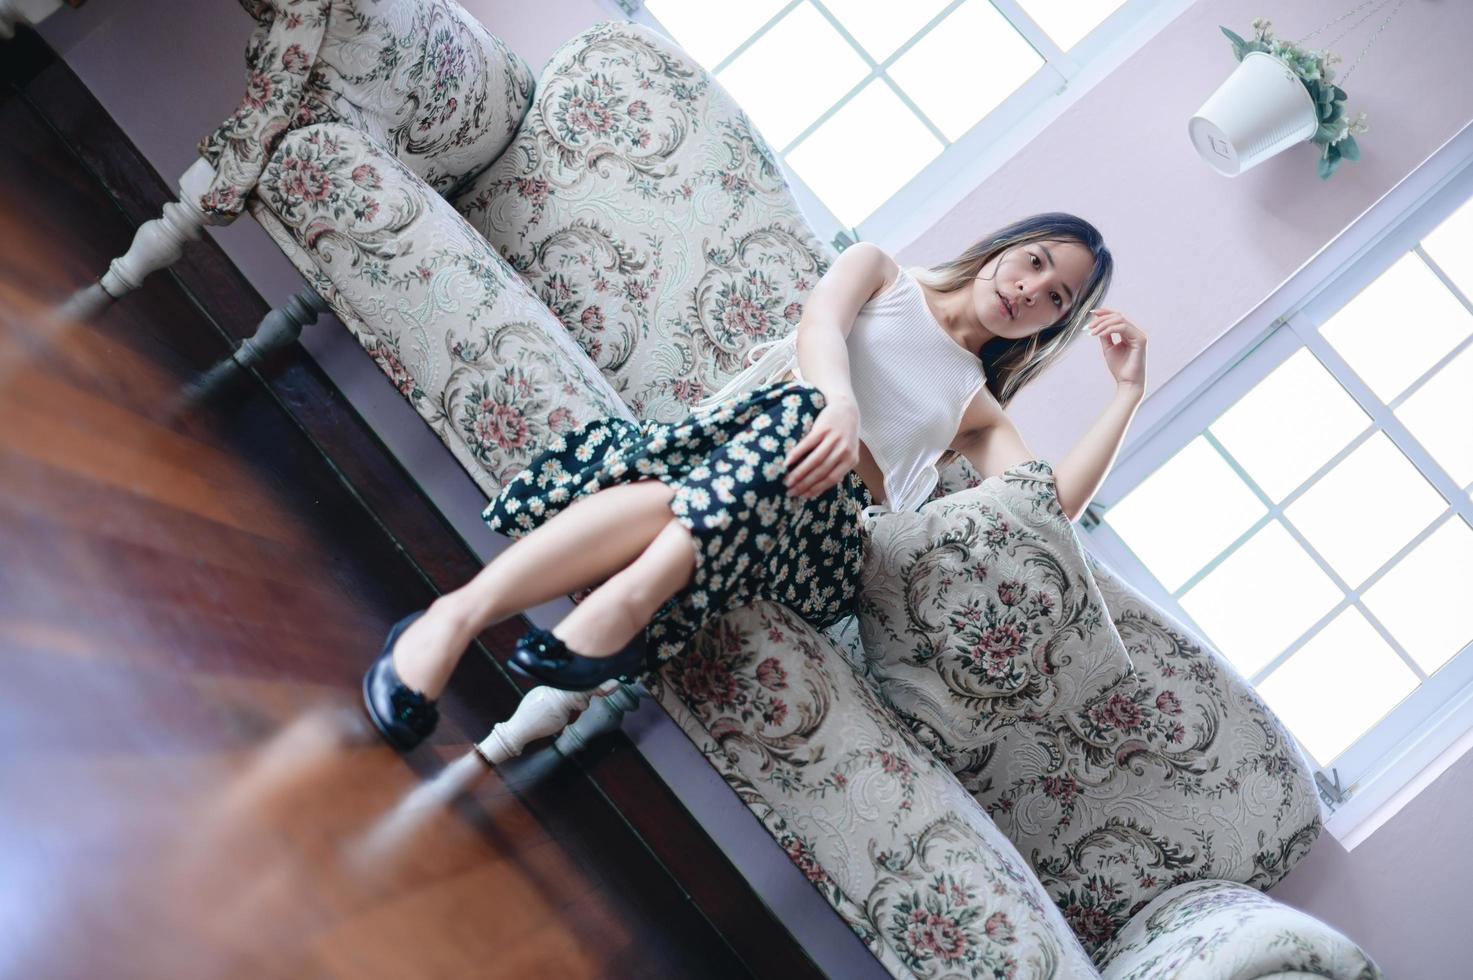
[
  {"x": 1155, "y": 716},
  {"x": 973, "y": 618},
  {"x": 454, "y": 328},
  {"x": 866, "y": 812}
]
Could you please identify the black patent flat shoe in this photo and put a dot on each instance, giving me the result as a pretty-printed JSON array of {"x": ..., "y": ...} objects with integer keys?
[
  {"x": 402, "y": 716},
  {"x": 543, "y": 657}
]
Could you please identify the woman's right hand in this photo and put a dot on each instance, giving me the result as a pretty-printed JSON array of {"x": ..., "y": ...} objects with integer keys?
[{"x": 829, "y": 450}]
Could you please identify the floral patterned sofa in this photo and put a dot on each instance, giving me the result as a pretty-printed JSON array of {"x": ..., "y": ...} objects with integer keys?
[{"x": 1009, "y": 764}]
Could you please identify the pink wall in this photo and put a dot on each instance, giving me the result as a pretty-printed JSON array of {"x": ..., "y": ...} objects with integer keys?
[
  {"x": 1195, "y": 253},
  {"x": 1403, "y": 893}
]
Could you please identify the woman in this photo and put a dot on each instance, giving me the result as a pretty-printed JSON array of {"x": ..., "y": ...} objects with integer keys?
[{"x": 690, "y": 518}]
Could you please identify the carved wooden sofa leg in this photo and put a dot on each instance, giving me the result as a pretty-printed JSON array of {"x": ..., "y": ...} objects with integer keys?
[
  {"x": 277, "y": 330},
  {"x": 545, "y": 711},
  {"x": 156, "y": 244},
  {"x": 280, "y": 327}
]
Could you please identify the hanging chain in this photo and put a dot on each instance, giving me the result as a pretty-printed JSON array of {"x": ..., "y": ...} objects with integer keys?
[
  {"x": 1375, "y": 10},
  {"x": 1346, "y": 76},
  {"x": 1378, "y": 5},
  {"x": 1337, "y": 20}
]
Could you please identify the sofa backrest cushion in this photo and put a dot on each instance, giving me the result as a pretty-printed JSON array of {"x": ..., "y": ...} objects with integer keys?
[
  {"x": 976, "y": 612},
  {"x": 650, "y": 216},
  {"x": 423, "y": 77}
]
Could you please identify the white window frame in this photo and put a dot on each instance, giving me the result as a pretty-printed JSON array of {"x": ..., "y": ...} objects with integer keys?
[
  {"x": 967, "y": 162},
  {"x": 1433, "y": 725}
]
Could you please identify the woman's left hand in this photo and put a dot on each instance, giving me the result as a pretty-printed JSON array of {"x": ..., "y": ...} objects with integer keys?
[{"x": 1126, "y": 358}]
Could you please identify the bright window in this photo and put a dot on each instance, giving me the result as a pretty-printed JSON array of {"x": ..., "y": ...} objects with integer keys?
[
  {"x": 884, "y": 111},
  {"x": 1310, "y": 513}
]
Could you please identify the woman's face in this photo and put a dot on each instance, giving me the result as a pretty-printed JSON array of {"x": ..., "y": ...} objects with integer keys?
[{"x": 1040, "y": 283}]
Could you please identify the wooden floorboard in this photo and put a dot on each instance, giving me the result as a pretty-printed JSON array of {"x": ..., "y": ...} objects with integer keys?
[{"x": 187, "y": 602}]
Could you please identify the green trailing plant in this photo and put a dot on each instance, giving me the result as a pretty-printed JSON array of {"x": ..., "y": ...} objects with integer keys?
[{"x": 1336, "y": 134}]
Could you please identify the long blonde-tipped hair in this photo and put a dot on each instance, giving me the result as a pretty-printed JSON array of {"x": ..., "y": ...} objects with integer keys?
[{"x": 1010, "y": 364}]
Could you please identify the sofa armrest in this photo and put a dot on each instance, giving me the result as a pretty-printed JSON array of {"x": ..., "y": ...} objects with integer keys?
[
  {"x": 457, "y": 331},
  {"x": 1113, "y": 748},
  {"x": 279, "y": 60},
  {"x": 1221, "y": 930},
  {"x": 422, "y": 77}
]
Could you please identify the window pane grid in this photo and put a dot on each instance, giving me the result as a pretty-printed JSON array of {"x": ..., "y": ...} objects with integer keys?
[
  {"x": 1429, "y": 374},
  {"x": 879, "y": 68},
  {"x": 1383, "y": 422},
  {"x": 756, "y": 36},
  {"x": 876, "y": 68},
  {"x": 1364, "y": 751},
  {"x": 1057, "y": 62},
  {"x": 1383, "y": 413},
  {"x": 1275, "y": 513},
  {"x": 1352, "y": 596}
]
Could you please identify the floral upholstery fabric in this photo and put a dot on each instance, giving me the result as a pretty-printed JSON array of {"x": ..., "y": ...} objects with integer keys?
[
  {"x": 456, "y": 330},
  {"x": 423, "y": 77},
  {"x": 1188, "y": 775},
  {"x": 1116, "y": 750},
  {"x": 975, "y": 613},
  {"x": 623, "y": 254},
  {"x": 1220, "y": 930},
  {"x": 650, "y": 217},
  {"x": 868, "y": 814}
]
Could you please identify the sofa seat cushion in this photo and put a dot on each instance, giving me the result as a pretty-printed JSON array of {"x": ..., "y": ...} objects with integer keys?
[
  {"x": 422, "y": 77},
  {"x": 456, "y": 330},
  {"x": 878, "y": 826},
  {"x": 1216, "y": 930},
  {"x": 649, "y": 216}
]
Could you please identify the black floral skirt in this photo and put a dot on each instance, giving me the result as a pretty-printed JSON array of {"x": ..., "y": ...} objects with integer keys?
[{"x": 726, "y": 463}]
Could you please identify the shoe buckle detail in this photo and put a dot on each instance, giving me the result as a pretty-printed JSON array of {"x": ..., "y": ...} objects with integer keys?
[{"x": 414, "y": 710}]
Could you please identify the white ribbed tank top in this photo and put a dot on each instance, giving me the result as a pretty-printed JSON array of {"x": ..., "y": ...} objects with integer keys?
[{"x": 911, "y": 380}]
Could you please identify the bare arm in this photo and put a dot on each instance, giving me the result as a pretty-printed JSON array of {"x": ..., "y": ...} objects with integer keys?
[
  {"x": 830, "y": 448},
  {"x": 1000, "y": 447},
  {"x": 996, "y": 447},
  {"x": 859, "y": 272},
  {"x": 1080, "y": 473}
]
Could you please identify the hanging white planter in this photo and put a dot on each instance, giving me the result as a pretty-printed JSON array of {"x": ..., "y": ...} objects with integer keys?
[{"x": 1261, "y": 109}]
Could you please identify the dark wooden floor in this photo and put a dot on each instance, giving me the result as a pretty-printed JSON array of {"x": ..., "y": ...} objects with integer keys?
[{"x": 188, "y": 598}]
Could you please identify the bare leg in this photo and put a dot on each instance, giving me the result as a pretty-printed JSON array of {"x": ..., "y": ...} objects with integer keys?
[
  {"x": 618, "y": 610},
  {"x": 582, "y": 545}
]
